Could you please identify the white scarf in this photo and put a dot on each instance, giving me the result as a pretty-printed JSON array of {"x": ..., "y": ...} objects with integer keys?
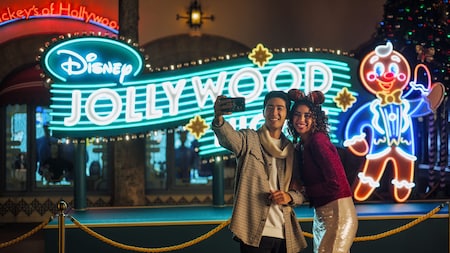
[{"x": 287, "y": 153}]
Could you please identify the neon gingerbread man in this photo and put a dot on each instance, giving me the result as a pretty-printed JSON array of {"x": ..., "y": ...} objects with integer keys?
[{"x": 382, "y": 129}]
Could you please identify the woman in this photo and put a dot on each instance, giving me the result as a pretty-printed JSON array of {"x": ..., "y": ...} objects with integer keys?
[{"x": 335, "y": 221}]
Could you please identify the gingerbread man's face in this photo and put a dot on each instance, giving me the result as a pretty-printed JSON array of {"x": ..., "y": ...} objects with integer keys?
[{"x": 384, "y": 70}]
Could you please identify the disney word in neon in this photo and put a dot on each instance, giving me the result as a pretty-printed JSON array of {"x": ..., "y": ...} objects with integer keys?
[
  {"x": 76, "y": 64},
  {"x": 92, "y": 58}
]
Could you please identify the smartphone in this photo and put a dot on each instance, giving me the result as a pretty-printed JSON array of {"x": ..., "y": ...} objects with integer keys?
[{"x": 238, "y": 104}]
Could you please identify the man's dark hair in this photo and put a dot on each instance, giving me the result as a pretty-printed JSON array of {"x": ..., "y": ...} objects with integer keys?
[{"x": 278, "y": 94}]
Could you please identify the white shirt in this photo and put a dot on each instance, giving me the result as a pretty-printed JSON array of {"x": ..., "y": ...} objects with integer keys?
[{"x": 275, "y": 221}]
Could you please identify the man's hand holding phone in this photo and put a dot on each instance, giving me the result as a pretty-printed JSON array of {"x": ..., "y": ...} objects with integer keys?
[{"x": 226, "y": 106}]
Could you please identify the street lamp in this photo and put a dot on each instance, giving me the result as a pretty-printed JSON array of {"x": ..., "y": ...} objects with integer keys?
[{"x": 195, "y": 16}]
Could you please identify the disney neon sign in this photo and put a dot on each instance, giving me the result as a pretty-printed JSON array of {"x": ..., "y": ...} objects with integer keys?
[
  {"x": 88, "y": 103},
  {"x": 90, "y": 58},
  {"x": 79, "y": 65}
]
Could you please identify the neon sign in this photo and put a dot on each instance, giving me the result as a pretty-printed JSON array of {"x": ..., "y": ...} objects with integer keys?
[
  {"x": 92, "y": 58},
  {"x": 98, "y": 90},
  {"x": 57, "y": 10},
  {"x": 386, "y": 74},
  {"x": 88, "y": 103}
]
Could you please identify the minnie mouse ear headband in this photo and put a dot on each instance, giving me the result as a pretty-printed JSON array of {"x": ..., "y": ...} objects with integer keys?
[{"x": 315, "y": 97}]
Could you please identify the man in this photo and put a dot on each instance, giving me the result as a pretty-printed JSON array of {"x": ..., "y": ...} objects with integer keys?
[{"x": 263, "y": 220}]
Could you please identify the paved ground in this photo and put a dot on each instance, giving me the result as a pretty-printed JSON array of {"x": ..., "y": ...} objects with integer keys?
[{"x": 11, "y": 231}]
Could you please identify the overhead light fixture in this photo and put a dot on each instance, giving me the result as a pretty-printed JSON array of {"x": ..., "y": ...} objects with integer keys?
[{"x": 195, "y": 15}]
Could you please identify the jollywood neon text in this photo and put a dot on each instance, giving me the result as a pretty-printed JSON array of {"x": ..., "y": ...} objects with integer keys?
[{"x": 202, "y": 93}]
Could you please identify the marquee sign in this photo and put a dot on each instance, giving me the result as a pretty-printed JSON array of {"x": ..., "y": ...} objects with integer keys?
[{"x": 99, "y": 89}]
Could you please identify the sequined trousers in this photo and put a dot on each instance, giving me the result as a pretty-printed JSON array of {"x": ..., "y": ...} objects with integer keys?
[{"x": 334, "y": 226}]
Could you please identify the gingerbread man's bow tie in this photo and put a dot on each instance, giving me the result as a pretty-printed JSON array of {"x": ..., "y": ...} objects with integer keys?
[{"x": 388, "y": 98}]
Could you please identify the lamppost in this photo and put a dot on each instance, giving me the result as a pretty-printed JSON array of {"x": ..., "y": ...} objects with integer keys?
[{"x": 195, "y": 16}]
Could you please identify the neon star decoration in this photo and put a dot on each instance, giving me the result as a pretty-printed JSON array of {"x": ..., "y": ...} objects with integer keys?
[
  {"x": 260, "y": 55},
  {"x": 197, "y": 127},
  {"x": 344, "y": 99}
]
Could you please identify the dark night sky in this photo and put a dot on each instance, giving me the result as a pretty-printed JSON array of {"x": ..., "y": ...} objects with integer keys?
[{"x": 343, "y": 24}]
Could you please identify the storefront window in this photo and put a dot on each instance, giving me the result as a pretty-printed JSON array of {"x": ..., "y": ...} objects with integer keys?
[
  {"x": 54, "y": 158},
  {"x": 188, "y": 166},
  {"x": 172, "y": 160},
  {"x": 97, "y": 166},
  {"x": 16, "y": 148},
  {"x": 155, "y": 157},
  {"x": 185, "y": 169}
]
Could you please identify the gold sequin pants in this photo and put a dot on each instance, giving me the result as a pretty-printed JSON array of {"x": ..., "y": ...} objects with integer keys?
[{"x": 334, "y": 226}]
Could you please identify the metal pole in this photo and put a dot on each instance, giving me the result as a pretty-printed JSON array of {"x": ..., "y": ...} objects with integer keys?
[
  {"x": 80, "y": 177},
  {"x": 62, "y": 206},
  {"x": 218, "y": 185}
]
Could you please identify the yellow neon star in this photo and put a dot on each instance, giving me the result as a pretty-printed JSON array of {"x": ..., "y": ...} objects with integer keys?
[
  {"x": 344, "y": 99},
  {"x": 197, "y": 126},
  {"x": 260, "y": 55}
]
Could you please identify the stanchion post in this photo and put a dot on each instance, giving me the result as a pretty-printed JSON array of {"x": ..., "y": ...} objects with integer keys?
[{"x": 62, "y": 206}]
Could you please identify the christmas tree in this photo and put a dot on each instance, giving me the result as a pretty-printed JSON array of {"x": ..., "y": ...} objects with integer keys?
[{"x": 419, "y": 29}]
